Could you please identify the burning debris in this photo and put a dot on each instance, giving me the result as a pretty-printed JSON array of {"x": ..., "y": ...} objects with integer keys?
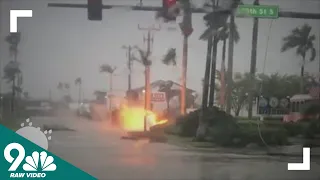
[{"x": 132, "y": 119}]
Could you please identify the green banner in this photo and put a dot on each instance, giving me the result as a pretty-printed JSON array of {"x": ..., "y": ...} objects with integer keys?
[{"x": 23, "y": 159}]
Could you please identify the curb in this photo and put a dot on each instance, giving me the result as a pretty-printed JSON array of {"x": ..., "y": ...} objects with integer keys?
[
  {"x": 289, "y": 154},
  {"x": 245, "y": 152}
]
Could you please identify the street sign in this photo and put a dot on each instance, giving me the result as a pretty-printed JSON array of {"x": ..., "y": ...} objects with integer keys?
[
  {"x": 284, "y": 102},
  {"x": 259, "y": 11},
  {"x": 158, "y": 97},
  {"x": 263, "y": 102},
  {"x": 273, "y": 102}
]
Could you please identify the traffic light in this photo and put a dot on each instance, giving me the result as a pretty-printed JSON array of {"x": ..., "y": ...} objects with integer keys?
[
  {"x": 170, "y": 10},
  {"x": 95, "y": 10}
]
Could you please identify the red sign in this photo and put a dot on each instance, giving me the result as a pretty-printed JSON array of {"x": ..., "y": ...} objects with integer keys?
[{"x": 158, "y": 97}]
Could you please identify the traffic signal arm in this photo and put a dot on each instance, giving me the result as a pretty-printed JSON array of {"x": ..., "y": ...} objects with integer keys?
[{"x": 284, "y": 14}]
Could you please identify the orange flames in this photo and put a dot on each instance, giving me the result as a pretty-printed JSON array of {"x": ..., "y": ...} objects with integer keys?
[{"x": 132, "y": 119}]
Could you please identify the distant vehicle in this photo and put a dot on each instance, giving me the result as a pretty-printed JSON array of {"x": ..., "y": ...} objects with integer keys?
[
  {"x": 39, "y": 107},
  {"x": 84, "y": 110}
]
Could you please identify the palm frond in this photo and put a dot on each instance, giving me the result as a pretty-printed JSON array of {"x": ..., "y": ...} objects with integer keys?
[
  {"x": 60, "y": 85},
  {"x": 289, "y": 42},
  {"x": 66, "y": 86},
  {"x": 144, "y": 57},
  {"x": 78, "y": 81},
  {"x": 313, "y": 54},
  {"x": 170, "y": 57},
  {"x": 107, "y": 68},
  {"x": 206, "y": 34}
]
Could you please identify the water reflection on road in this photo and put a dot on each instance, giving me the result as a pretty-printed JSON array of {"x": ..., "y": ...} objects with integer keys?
[{"x": 97, "y": 149}]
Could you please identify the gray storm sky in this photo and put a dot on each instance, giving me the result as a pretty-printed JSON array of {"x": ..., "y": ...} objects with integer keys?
[{"x": 60, "y": 44}]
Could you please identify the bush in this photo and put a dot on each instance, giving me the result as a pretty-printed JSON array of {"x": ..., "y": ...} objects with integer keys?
[
  {"x": 312, "y": 129},
  {"x": 256, "y": 118},
  {"x": 213, "y": 116},
  {"x": 249, "y": 133},
  {"x": 294, "y": 128},
  {"x": 227, "y": 131}
]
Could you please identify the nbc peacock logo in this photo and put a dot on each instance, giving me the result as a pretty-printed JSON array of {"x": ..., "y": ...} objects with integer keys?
[
  {"x": 35, "y": 165},
  {"x": 46, "y": 162},
  {"x": 38, "y": 163}
]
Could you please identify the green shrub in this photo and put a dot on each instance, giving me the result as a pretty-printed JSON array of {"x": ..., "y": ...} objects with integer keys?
[
  {"x": 213, "y": 116},
  {"x": 312, "y": 129},
  {"x": 249, "y": 133},
  {"x": 311, "y": 108}
]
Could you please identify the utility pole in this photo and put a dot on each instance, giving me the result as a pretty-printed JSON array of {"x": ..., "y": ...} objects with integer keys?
[
  {"x": 253, "y": 61},
  {"x": 186, "y": 29},
  {"x": 147, "y": 94},
  {"x": 129, "y": 49}
]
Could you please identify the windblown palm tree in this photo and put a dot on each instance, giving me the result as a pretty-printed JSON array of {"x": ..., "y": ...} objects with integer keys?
[
  {"x": 67, "y": 87},
  {"x": 106, "y": 68},
  {"x": 78, "y": 82},
  {"x": 144, "y": 59},
  {"x": 215, "y": 21},
  {"x": 12, "y": 69},
  {"x": 301, "y": 40},
  {"x": 169, "y": 59}
]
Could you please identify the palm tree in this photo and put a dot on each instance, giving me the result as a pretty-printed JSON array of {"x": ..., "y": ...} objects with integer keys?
[
  {"x": 169, "y": 59},
  {"x": 12, "y": 70},
  {"x": 170, "y": 93},
  {"x": 216, "y": 20},
  {"x": 60, "y": 86},
  {"x": 144, "y": 59},
  {"x": 106, "y": 68},
  {"x": 223, "y": 35},
  {"x": 302, "y": 40},
  {"x": 67, "y": 87},
  {"x": 78, "y": 82}
]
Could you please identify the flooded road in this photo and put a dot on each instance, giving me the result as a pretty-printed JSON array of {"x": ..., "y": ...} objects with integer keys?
[{"x": 97, "y": 149}]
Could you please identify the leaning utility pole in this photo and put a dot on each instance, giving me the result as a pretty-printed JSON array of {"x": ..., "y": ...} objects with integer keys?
[{"x": 186, "y": 29}]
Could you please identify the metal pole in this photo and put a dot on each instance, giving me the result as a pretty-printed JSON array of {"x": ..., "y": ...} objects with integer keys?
[
  {"x": 282, "y": 14},
  {"x": 253, "y": 61}
]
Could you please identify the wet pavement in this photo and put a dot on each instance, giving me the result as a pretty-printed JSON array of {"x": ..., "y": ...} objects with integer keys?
[{"x": 97, "y": 149}]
